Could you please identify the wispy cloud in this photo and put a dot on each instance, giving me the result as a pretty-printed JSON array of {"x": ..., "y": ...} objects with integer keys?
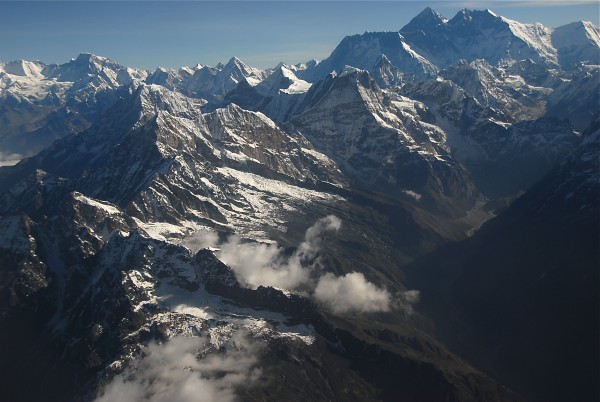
[
  {"x": 180, "y": 370},
  {"x": 267, "y": 264},
  {"x": 351, "y": 292},
  {"x": 10, "y": 159}
]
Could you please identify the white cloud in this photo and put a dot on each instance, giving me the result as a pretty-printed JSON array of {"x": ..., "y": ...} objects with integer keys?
[
  {"x": 314, "y": 236},
  {"x": 406, "y": 300},
  {"x": 267, "y": 265},
  {"x": 351, "y": 293},
  {"x": 262, "y": 264},
  {"x": 203, "y": 238},
  {"x": 172, "y": 372},
  {"x": 10, "y": 159}
]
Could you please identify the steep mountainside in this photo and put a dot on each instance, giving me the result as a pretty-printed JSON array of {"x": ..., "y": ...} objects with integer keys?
[
  {"x": 383, "y": 144},
  {"x": 520, "y": 297}
]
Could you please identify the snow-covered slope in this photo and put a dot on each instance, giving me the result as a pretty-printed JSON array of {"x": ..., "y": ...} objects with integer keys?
[
  {"x": 365, "y": 51},
  {"x": 282, "y": 79},
  {"x": 577, "y": 42}
]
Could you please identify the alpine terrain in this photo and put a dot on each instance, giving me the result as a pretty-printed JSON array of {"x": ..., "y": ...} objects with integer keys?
[{"x": 414, "y": 218}]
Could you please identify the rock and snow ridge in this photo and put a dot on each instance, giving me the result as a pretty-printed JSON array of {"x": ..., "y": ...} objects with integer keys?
[{"x": 104, "y": 222}]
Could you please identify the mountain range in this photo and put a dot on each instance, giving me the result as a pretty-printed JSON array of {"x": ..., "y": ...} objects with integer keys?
[{"x": 413, "y": 218}]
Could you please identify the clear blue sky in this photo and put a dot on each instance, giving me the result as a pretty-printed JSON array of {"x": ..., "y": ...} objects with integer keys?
[{"x": 173, "y": 34}]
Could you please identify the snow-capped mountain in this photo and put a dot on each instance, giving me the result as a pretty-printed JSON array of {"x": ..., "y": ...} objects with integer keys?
[
  {"x": 364, "y": 52},
  {"x": 278, "y": 95},
  {"x": 210, "y": 83},
  {"x": 577, "y": 43},
  {"x": 473, "y": 34},
  {"x": 273, "y": 218},
  {"x": 40, "y": 103}
]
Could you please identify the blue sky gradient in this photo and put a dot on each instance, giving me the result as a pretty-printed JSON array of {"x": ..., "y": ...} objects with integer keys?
[{"x": 146, "y": 35}]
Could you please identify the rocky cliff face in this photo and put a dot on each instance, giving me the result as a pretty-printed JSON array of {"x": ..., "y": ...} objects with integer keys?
[{"x": 381, "y": 142}]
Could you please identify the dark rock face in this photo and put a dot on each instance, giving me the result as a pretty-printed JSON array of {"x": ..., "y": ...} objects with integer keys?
[
  {"x": 503, "y": 159},
  {"x": 510, "y": 286}
]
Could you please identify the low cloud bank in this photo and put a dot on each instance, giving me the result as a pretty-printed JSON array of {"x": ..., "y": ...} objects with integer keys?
[
  {"x": 351, "y": 292},
  {"x": 172, "y": 372},
  {"x": 10, "y": 159},
  {"x": 267, "y": 265}
]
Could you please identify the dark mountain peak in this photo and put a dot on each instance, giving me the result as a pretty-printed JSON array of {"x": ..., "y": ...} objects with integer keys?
[
  {"x": 355, "y": 78},
  {"x": 425, "y": 21},
  {"x": 476, "y": 18},
  {"x": 235, "y": 64},
  {"x": 84, "y": 66},
  {"x": 85, "y": 57},
  {"x": 312, "y": 63},
  {"x": 94, "y": 62},
  {"x": 389, "y": 38},
  {"x": 235, "y": 61}
]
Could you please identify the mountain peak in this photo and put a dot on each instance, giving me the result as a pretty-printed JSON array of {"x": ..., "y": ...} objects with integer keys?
[
  {"x": 576, "y": 42},
  {"x": 424, "y": 21},
  {"x": 349, "y": 70},
  {"x": 465, "y": 16},
  {"x": 235, "y": 62},
  {"x": 90, "y": 58},
  {"x": 237, "y": 68},
  {"x": 94, "y": 62},
  {"x": 85, "y": 56},
  {"x": 490, "y": 12}
]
